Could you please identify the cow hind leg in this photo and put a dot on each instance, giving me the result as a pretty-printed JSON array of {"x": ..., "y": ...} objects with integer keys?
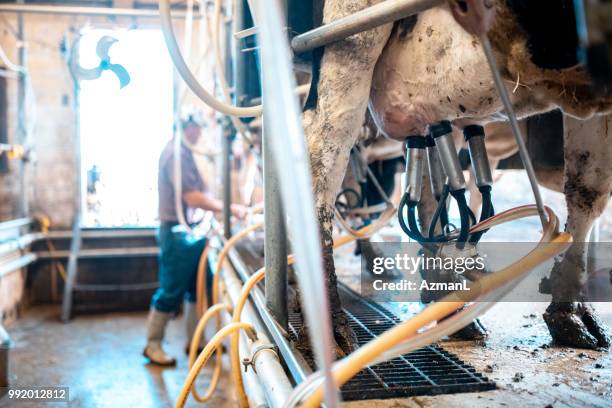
[
  {"x": 332, "y": 126},
  {"x": 571, "y": 320}
]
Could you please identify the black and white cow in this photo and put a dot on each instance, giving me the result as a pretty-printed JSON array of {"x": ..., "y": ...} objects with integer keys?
[{"x": 427, "y": 69}]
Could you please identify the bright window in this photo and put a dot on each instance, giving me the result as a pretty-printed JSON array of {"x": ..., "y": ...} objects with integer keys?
[{"x": 124, "y": 130}]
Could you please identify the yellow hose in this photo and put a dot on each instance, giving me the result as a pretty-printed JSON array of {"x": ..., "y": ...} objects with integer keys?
[
  {"x": 201, "y": 290},
  {"x": 202, "y": 359},
  {"x": 201, "y": 295},
  {"x": 373, "y": 228},
  {"x": 348, "y": 367},
  {"x": 345, "y": 369},
  {"x": 220, "y": 66},
  {"x": 234, "y": 344},
  {"x": 187, "y": 75},
  {"x": 223, "y": 254},
  {"x": 216, "y": 308},
  {"x": 195, "y": 344}
]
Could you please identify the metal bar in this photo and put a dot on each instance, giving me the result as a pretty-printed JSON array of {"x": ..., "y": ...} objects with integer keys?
[
  {"x": 105, "y": 233},
  {"x": 290, "y": 155},
  {"x": 16, "y": 223},
  {"x": 227, "y": 180},
  {"x": 238, "y": 57},
  {"x": 9, "y": 74},
  {"x": 275, "y": 241},
  {"x": 22, "y": 131},
  {"x": 516, "y": 129},
  {"x": 75, "y": 247},
  {"x": 268, "y": 367},
  {"x": 20, "y": 243},
  {"x": 103, "y": 287},
  {"x": 298, "y": 369},
  {"x": 363, "y": 20},
  {"x": 101, "y": 253},
  {"x": 17, "y": 264},
  {"x": 85, "y": 11}
]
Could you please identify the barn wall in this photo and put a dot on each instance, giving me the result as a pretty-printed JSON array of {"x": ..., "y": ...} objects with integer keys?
[{"x": 50, "y": 178}]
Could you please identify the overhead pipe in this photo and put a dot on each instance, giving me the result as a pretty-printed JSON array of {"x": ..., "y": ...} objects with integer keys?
[
  {"x": 85, "y": 11},
  {"x": 382, "y": 13}
]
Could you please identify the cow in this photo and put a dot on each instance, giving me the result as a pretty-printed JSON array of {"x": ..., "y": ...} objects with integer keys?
[
  {"x": 426, "y": 69},
  {"x": 586, "y": 182}
]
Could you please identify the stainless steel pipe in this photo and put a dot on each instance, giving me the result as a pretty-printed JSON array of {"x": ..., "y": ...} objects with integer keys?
[
  {"x": 17, "y": 264},
  {"x": 442, "y": 134},
  {"x": 275, "y": 242},
  {"x": 415, "y": 161},
  {"x": 437, "y": 178},
  {"x": 291, "y": 158},
  {"x": 268, "y": 367},
  {"x": 84, "y": 11},
  {"x": 5, "y": 346},
  {"x": 475, "y": 137},
  {"x": 363, "y": 20}
]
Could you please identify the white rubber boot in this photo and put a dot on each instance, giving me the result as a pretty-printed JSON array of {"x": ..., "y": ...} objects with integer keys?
[
  {"x": 191, "y": 322},
  {"x": 156, "y": 328}
]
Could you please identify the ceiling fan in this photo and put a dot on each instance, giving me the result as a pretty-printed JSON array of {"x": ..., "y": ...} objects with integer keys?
[{"x": 102, "y": 48}]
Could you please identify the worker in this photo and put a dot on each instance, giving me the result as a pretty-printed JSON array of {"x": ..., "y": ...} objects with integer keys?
[{"x": 179, "y": 249}]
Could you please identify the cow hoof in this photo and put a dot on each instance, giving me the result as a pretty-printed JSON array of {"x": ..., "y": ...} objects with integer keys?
[
  {"x": 576, "y": 325},
  {"x": 473, "y": 331},
  {"x": 345, "y": 337}
]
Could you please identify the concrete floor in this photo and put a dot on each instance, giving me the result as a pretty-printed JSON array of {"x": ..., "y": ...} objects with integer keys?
[{"x": 99, "y": 358}]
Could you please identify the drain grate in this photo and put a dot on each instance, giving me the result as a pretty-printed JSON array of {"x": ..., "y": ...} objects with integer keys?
[{"x": 428, "y": 371}]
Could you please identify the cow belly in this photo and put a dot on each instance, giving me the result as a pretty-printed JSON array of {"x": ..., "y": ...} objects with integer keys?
[{"x": 437, "y": 72}]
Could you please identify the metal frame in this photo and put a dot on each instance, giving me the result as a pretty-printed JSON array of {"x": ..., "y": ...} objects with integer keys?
[
  {"x": 86, "y": 11},
  {"x": 275, "y": 240},
  {"x": 382, "y": 13},
  {"x": 297, "y": 367}
]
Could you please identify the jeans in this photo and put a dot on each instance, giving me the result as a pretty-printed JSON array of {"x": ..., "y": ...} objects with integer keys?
[{"x": 178, "y": 265}]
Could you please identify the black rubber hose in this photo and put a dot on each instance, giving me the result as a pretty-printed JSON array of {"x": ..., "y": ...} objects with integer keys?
[
  {"x": 414, "y": 226},
  {"x": 411, "y": 228},
  {"x": 487, "y": 211},
  {"x": 440, "y": 214},
  {"x": 400, "y": 216},
  {"x": 464, "y": 212}
]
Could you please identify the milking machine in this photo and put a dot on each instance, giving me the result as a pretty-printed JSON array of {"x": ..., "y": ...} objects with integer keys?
[
  {"x": 446, "y": 180},
  {"x": 452, "y": 312}
]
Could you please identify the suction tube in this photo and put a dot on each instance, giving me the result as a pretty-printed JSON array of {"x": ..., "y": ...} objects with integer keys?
[
  {"x": 412, "y": 184},
  {"x": 475, "y": 137},
  {"x": 437, "y": 180},
  {"x": 551, "y": 244},
  {"x": 442, "y": 133}
]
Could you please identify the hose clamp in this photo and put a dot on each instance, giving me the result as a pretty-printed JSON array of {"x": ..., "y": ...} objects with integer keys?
[{"x": 246, "y": 362}]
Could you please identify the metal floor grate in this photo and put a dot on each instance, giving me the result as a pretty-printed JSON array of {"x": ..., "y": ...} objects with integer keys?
[{"x": 428, "y": 371}]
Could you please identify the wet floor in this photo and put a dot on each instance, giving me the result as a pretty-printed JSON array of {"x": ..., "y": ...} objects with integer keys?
[
  {"x": 517, "y": 355},
  {"x": 99, "y": 358}
]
